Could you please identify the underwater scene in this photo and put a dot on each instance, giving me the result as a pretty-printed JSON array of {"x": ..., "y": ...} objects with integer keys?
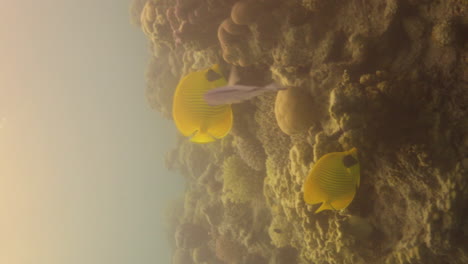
[{"x": 313, "y": 131}]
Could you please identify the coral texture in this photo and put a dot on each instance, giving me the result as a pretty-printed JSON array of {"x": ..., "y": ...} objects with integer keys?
[{"x": 241, "y": 183}]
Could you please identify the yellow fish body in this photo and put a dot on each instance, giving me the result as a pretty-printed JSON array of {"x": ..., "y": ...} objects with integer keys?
[
  {"x": 194, "y": 118},
  {"x": 333, "y": 180}
]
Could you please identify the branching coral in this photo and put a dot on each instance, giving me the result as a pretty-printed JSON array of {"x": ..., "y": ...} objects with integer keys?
[
  {"x": 236, "y": 215},
  {"x": 276, "y": 187},
  {"x": 279, "y": 187},
  {"x": 195, "y": 23},
  {"x": 252, "y": 152},
  {"x": 241, "y": 183},
  {"x": 232, "y": 40}
]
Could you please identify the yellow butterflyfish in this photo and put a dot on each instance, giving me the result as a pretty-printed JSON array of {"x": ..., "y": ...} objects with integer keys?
[
  {"x": 193, "y": 116},
  {"x": 333, "y": 180}
]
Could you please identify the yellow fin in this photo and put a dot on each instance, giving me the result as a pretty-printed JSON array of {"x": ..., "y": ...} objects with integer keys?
[
  {"x": 200, "y": 137},
  {"x": 324, "y": 206}
]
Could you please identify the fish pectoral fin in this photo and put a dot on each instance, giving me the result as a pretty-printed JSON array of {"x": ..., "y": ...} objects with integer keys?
[{"x": 325, "y": 206}]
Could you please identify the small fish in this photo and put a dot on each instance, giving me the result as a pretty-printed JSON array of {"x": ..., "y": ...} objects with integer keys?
[
  {"x": 235, "y": 93},
  {"x": 193, "y": 117},
  {"x": 277, "y": 230},
  {"x": 333, "y": 180}
]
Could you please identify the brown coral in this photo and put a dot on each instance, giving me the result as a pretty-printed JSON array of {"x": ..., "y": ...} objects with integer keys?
[
  {"x": 295, "y": 110},
  {"x": 181, "y": 257},
  {"x": 229, "y": 250},
  {"x": 154, "y": 23},
  {"x": 235, "y": 50},
  {"x": 245, "y": 12},
  {"x": 160, "y": 84},
  {"x": 190, "y": 235},
  {"x": 252, "y": 152},
  {"x": 241, "y": 183}
]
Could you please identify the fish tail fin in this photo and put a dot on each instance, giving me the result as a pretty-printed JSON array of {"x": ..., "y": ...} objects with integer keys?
[
  {"x": 325, "y": 206},
  {"x": 202, "y": 138}
]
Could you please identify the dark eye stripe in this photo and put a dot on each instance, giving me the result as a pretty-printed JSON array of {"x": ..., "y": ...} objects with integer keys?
[
  {"x": 212, "y": 76},
  {"x": 349, "y": 161}
]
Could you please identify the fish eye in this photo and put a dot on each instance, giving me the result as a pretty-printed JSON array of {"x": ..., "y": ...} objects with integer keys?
[
  {"x": 349, "y": 161},
  {"x": 212, "y": 76}
]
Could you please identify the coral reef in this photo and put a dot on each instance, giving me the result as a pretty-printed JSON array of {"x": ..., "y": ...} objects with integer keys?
[
  {"x": 161, "y": 83},
  {"x": 387, "y": 77},
  {"x": 189, "y": 235},
  {"x": 280, "y": 232},
  {"x": 241, "y": 183},
  {"x": 181, "y": 257},
  {"x": 251, "y": 151},
  {"x": 228, "y": 250},
  {"x": 202, "y": 255}
]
